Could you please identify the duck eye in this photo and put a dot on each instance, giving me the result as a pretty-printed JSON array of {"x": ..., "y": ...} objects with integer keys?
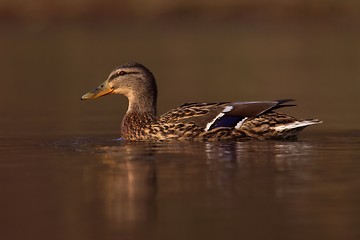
[{"x": 122, "y": 73}]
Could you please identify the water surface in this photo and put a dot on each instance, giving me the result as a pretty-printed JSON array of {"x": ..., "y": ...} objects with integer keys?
[{"x": 104, "y": 188}]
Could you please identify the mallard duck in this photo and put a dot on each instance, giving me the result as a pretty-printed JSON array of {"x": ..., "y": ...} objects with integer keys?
[{"x": 193, "y": 121}]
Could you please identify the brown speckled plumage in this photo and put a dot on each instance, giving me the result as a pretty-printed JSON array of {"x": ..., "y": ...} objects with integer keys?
[{"x": 194, "y": 121}]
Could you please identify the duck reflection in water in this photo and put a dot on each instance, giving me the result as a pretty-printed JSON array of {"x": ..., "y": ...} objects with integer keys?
[{"x": 139, "y": 175}]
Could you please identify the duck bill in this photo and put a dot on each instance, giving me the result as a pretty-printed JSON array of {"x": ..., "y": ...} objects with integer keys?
[{"x": 100, "y": 91}]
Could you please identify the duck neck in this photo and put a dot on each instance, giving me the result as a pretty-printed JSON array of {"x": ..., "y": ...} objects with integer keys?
[
  {"x": 140, "y": 114},
  {"x": 142, "y": 104}
]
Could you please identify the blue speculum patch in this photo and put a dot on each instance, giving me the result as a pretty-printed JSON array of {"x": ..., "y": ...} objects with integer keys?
[{"x": 226, "y": 121}]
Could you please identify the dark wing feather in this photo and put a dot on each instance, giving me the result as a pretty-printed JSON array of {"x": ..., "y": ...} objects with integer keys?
[
  {"x": 243, "y": 110},
  {"x": 281, "y": 103},
  {"x": 253, "y": 109}
]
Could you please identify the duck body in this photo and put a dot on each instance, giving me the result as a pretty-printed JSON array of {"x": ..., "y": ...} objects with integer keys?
[
  {"x": 194, "y": 121},
  {"x": 216, "y": 121}
]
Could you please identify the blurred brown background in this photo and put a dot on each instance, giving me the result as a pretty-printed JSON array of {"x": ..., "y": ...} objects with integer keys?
[
  {"x": 111, "y": 9},
  {"x": 54, "y": 51}
]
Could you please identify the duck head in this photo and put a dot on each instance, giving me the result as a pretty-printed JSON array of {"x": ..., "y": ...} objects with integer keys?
[{"x": 132, "y": 80}]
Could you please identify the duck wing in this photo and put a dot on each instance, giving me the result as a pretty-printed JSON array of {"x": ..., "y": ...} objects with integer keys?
[{"x": 216, "y": 115}]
